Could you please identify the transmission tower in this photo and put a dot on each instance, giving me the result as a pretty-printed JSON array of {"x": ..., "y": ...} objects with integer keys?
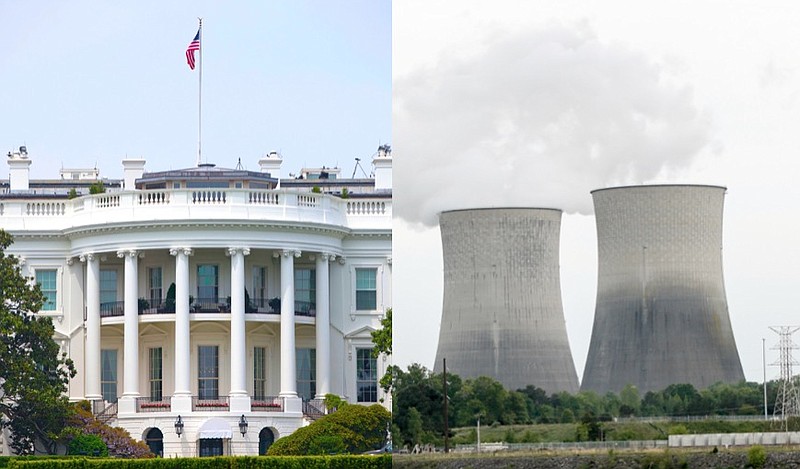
[{"x": 787, "y": 403}]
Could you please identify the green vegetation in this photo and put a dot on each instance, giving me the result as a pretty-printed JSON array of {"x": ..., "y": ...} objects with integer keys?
[
  {"x": 351, "y": 429},
  {"x": 586, "y": 416},
  {"x": 239, "y": 462},
  {"x": 382, "y": 338},
  {"x": 88, "y": 445},
  {"x": 756, "y": 456},
  {"x": 73, "y": 193},
  {"x": 97, "y": 188},
  {"x": 33, "y": 374}
]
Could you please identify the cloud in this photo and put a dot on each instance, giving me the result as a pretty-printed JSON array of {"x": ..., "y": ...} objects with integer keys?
[{"x": 537, "y": 118}]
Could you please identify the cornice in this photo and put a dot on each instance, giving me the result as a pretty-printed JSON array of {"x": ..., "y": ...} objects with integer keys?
[{"x": 194, "y": 225}]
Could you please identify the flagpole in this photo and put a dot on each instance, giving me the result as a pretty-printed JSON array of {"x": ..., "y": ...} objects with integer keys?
[{"x": 200, "y": 99}]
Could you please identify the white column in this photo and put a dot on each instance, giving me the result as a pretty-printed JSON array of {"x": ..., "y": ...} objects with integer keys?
[
  {"x": 131, "y": 331},
  {"x": 323, "y": 326},
  {"x": 181, "y": 397},
  {"x": 239, "y": 399},
  {"x": 288, "y": 360},
  {"x": 92, "y": 352}
]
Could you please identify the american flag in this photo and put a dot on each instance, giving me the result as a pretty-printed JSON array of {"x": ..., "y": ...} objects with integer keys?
[{"x": 193, "y": 46}]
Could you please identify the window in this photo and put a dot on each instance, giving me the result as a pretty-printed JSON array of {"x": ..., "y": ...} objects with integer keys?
[
  {"x": 176, "y": 185},
  {"x": 305, "y": 290},
  {"x": 208, "y": 372},
  {"x": 154, "y": 284},
  {"x": 366, "y": 375},
  {"x": 46, "y": 278},
  {"x": 366, "y": 290},
  {"x": 259, "y": 299},
  {"x": 210, "y": 447},
  {"x": 306, "y": 373},
  {"x": 259, "y": 373},
  {"x": 108, "y": 375},
  {"x": 207, "y": 283},
  {"x": 156, "y": 374},
  {"x": 108, "y": 290}
]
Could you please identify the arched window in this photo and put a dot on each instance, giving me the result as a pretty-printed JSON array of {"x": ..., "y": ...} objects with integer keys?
[
  {"x": 155, "y": 441},
  {"x": 265, "y": 439}
]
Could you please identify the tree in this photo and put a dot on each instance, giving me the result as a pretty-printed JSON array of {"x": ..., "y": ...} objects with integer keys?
[
  {"x": 34, "y": 377},
  {"x": 382, "y": 338}
]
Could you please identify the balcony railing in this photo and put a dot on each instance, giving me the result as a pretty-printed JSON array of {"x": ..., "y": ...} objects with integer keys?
[
  {"x": 153, "y": 404},
  {"x": 267, "y": 404},
  {"x": 220, "y": 403},
  {"x": 112, "y": 308},
  {"x": 41, "y": 213},
  {"x": 203, "y": 305}
]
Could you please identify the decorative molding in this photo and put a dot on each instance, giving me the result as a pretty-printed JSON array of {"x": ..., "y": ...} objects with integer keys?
[
  {"x": 88, "y": 257},
  {"x": 389, "y": 260},
  {"x": 185, "y": 251},
  {"x": 291, "y": 252},
  {"x": 70, "y": 260},
  {"x": 231, "y": 251},
  {"x": 341, "y": 260},
  {"x": 129, "y": 252}
]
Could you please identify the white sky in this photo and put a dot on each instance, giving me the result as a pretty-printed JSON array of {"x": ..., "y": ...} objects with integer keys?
[
  {"x": 86, "y": 83},
  {"x": 536, "y": 103}
]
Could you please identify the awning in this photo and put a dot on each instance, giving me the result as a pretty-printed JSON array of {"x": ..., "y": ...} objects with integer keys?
[{"x": 215, "y": 428}]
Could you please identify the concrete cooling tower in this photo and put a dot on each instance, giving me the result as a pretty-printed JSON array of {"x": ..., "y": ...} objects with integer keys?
[
  {"x": 502, "y": 315},
  {"x": 661, "y": 316}
]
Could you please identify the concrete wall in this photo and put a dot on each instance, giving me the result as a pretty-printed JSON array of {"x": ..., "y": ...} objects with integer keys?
[
  {"x": 502, "y": 315},
  {"x": 661, "y": 315},
  {"x": 735, "y": 439}
]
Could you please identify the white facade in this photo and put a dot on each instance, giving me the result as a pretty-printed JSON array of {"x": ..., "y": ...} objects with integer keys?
[{"x": 106, "y": 263}]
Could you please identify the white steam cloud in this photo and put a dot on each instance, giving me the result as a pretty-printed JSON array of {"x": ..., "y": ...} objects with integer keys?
[{"x": 538, "y": 119}]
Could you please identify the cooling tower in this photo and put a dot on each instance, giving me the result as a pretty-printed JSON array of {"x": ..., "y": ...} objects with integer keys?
[
  {"x": 502, "y": 314},
  {"x": 661, "y": 316}
]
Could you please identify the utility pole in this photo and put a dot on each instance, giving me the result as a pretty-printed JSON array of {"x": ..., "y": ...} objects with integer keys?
[
  {"x": 446, "y": 426},
  {"x": 764, "y": 366}
]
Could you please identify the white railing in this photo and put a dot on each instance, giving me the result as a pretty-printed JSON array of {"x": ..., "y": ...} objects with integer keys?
[
  {"x": 366, "y": 207},
  {"x": 48, "y": 209},
  {"x": 188, "y": 204}
]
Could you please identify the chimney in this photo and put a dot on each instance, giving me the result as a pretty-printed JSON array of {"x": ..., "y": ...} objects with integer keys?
[
  {"x": 19, "y": 170},
  {"x": 271, "y": 164},
  {"x": 383, "y": 168},
  {"x": 133, "y": 169}
]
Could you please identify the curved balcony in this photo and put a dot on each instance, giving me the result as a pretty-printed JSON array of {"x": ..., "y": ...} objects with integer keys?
[
  {"x": 204, "y": 306},
  {"x": 149, "y": 206}
]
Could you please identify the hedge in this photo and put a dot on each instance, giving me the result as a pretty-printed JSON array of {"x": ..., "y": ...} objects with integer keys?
[
  {"x": 355, "y": 427},
  {"x": 229, "y": 462}
]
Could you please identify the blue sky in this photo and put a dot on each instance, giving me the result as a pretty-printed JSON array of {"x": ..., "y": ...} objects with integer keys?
[{"x": 86, "y": 84}]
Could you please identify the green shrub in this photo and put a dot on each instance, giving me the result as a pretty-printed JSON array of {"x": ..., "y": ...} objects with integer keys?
[
  {"x": 72, "y": 193},
  {"x": 88, "y": 445},
  {"x": 97, "y": 188},
  {"x": 359, "y": 428},
  {"x": 756, "y": 456}
]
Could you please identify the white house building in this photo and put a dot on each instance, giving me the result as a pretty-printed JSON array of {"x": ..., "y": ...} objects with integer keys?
[{"x": 209, "y": 310}]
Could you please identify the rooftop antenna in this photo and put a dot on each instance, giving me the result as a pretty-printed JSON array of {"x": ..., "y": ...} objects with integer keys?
[
  {"x": 358, "y": 165},
  {"x": 239, "y": 165}
]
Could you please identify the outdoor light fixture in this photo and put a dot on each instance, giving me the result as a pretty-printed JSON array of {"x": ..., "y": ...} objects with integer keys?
[
  {"x": 243, "y": 425},
  {"x": 179, "y": 426}
]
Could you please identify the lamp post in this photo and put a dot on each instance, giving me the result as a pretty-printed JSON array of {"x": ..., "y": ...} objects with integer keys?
[
  {"x": 179, "y": 426},
  {"x": 243, "y": 425}
]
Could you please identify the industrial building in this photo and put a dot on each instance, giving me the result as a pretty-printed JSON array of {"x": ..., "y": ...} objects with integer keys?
[
  {"x": 502, "y": 315},
  {"x": 209, "y": 310},
  {"x": 661, "y": 315}
]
